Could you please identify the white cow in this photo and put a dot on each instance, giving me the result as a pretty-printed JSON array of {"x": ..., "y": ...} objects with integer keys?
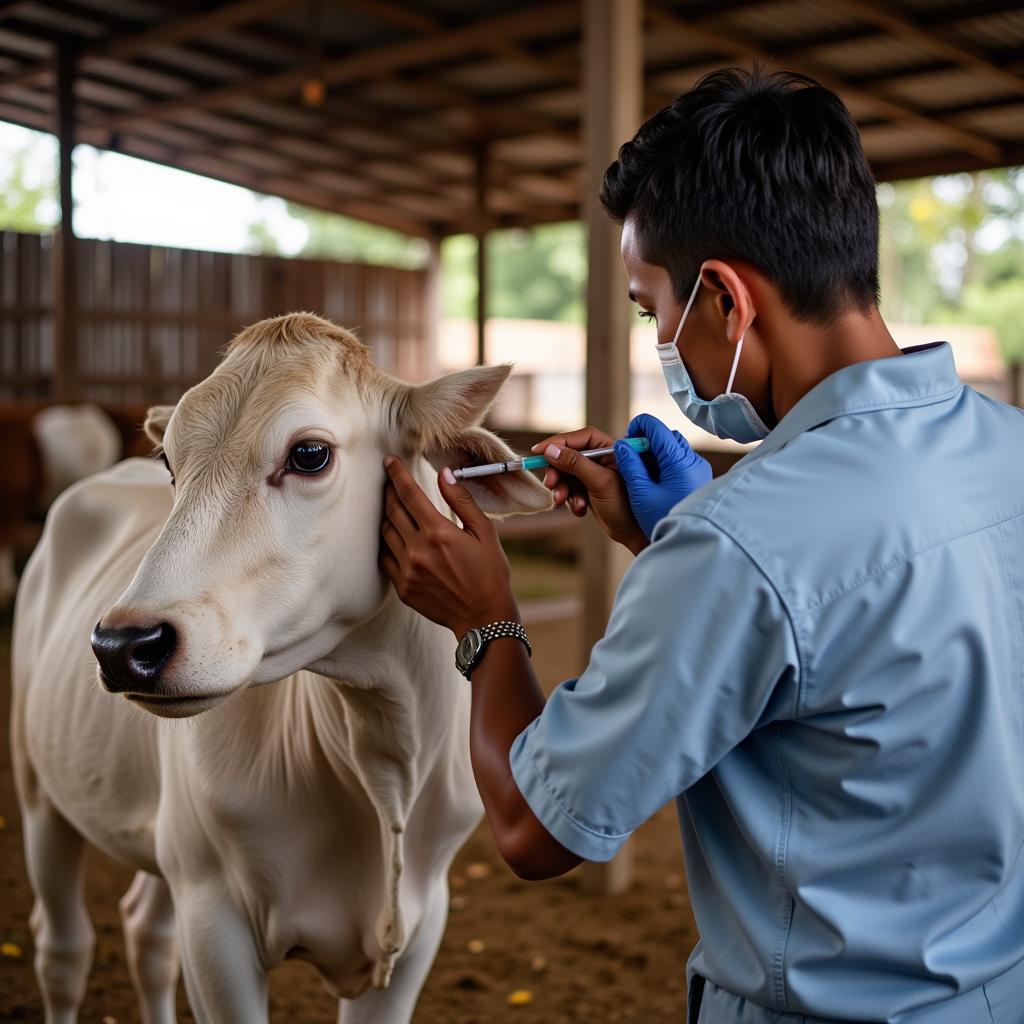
[
  {"x": 73, "y": 442},
  {"x": 315, "y": 818}
]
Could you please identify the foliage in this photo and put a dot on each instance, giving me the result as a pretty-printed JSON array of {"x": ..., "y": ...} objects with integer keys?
[
  {"x": 999, "y": 305},
  {"x": 952, "y": 249},
  {"x": 331, "y": 236},
  {"x": 535, "y": 275},
  {"x": 28, "y": 195}
]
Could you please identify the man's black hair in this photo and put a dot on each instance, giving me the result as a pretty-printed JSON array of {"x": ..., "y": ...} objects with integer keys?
[{"x": 766, "y": 168}]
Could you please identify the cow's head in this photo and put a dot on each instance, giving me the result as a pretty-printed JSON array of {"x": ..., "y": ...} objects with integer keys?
[{"x": 269, "y": 554}]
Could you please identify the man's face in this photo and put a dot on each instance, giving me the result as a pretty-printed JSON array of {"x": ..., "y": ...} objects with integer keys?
[{"x": 702, "y": 344}]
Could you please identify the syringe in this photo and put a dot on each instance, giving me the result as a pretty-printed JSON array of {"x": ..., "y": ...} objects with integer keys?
[{"x": 638, "y": 444}]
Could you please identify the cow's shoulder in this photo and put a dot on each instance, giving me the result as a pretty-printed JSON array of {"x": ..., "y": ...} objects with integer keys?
[
  {"x": 129, "y": 487},
  {"x": 107, "y": 513}
]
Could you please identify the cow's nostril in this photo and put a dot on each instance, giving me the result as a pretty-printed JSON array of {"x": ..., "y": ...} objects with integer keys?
[
  {"x": 153, "y": 650},
  {"x": 131, "y": 658}
]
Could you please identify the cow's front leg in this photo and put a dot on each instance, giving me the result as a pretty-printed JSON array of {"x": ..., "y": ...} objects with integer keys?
[
  {"x": 224, "y": 977},
  {"x": 147, "y": 914}
]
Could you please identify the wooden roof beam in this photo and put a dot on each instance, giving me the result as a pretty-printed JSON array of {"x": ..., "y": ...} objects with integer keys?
[
  {"x": 370, "y": 64},
  {"x": 417, "y": 21},
  {"x": 95, "y": 132},
  {"x": 202, "y": 146},
  {"x": 934, "y": 40},
  {"x": 940, "y": 163},
  {"x": 898, "y": 113},
  {"x": 172, "y": 31}
]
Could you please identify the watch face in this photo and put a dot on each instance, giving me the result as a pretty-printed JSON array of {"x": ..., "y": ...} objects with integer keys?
[{"x": 469, "y": 647}]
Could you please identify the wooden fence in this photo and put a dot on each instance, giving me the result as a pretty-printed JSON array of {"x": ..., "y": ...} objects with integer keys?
[{"x": 152, "y": 320}]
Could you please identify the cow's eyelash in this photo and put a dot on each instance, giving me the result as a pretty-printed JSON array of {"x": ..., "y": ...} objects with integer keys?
[{"x": 166, "y": 462}]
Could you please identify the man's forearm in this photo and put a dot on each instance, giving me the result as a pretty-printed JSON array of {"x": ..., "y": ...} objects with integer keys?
[{"x": 506, "y": 699}]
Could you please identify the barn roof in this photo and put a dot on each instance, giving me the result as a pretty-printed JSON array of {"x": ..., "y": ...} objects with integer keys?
[{"x": 414, "y": 91}]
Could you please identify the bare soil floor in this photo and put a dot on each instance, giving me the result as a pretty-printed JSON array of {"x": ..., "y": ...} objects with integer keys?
[{"x": 582, "y": 957}]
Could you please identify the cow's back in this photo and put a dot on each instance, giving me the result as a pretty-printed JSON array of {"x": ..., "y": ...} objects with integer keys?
[{"x": 94, "y": 755}]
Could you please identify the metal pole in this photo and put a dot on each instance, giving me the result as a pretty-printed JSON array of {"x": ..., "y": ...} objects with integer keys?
[
  {"x": 65, "y": 292},
  {"x": 612, "y": 108}
]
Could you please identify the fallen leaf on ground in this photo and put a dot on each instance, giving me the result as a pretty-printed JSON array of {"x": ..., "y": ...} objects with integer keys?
[{"x": 521, "y": 997}]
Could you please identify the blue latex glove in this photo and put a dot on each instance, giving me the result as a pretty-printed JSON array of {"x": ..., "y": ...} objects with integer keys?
[{"x": 659, "y": 479}]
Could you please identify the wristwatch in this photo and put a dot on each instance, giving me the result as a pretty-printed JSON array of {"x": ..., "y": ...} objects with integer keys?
[{"x": 472, "y": 646}]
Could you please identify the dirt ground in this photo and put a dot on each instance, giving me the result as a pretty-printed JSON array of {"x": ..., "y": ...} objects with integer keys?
[{"x": 581, "y": 956}]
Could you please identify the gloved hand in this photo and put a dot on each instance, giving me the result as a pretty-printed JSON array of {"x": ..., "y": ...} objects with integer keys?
[{"x": 660, "y": 478}]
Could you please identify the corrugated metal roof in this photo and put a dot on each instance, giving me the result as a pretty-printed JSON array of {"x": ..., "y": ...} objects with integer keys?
[{"x": 415, "y": 88}]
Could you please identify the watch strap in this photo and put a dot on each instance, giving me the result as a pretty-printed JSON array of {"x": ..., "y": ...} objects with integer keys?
[{"x": 497, "y": 629}]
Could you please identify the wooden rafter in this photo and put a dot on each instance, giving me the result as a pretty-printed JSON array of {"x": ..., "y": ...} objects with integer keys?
[
  {"x": 909, "y": 117},
  {"x": 370, "y": 64},
  {"x": 272, "y": 140},
  {"x": 418, "y": 21},
  {"x": 934, "y": 40},
  {"x": 173, "y": 31}
]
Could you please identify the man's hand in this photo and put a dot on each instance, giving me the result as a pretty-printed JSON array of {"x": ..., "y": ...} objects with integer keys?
[
  {"x": 588, "y": 483},
  {"x": 660, "y": 478},
  {"x": 458, "y": 578}
]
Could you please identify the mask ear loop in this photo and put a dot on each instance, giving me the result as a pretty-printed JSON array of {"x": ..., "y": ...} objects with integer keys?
[
  {"x": 686, "y": 311},
  {"x": 735, "y": 363}
]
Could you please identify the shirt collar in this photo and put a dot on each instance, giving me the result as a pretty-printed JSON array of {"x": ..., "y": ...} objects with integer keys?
[{"x": 922, "y": 375}]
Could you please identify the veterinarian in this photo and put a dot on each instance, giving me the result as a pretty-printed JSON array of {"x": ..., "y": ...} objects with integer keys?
[{"x": 820, "y": 654}]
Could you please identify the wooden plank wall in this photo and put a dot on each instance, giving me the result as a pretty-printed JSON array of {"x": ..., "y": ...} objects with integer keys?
[{"x": 154, "y": 320}]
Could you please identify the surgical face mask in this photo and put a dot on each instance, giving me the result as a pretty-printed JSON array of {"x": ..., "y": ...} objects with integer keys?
[{"x": 728, "y": 416}]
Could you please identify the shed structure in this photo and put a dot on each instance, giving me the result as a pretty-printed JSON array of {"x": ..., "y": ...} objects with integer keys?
[{"x": 443, "y": 116}]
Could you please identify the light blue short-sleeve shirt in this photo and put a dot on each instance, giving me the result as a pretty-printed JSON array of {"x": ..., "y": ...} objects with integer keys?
[{"x": 821, "y": 658}]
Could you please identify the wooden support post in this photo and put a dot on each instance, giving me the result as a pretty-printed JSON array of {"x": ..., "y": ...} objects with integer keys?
[
  {"x": 612, "y": 108},
  {"x": 432, "y": 309},
  {"x": 481, "y": 253},
  {"x": 65, "y": 278},
  {"x": 1015, "y": 380}
]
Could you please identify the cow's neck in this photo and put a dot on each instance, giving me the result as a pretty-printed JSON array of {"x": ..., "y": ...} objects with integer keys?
[
  {"x": 387, "y": 711},
  {"x": 386, "y": 707}
]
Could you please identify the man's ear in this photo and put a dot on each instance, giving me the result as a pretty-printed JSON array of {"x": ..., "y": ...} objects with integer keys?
[
  {"x": 156, "y": 422},
  {"x": 441, "y": 420}
]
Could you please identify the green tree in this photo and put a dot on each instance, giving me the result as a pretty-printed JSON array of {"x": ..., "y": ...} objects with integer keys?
[
  {"x": 1000, "y": 306},
  {"x": 539, "y": 274},
  {"x": 952, "y": 248},
  {"x": 28, "y": 196},
  {"x": 332, "y": 236}
]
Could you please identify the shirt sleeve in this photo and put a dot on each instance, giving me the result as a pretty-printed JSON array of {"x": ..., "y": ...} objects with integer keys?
[{"x": 698, "y": 653}]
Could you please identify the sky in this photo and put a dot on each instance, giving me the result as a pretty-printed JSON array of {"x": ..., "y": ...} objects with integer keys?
[{"x": 130, "y": 200}]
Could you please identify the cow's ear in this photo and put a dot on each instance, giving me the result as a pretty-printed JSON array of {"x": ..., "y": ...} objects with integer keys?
[
  {"x": 156, "y": 422},
  {"x": 441, "y": 420}
]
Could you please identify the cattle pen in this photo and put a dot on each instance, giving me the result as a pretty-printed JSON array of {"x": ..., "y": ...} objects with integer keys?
[{"x": 433, "y": 118}]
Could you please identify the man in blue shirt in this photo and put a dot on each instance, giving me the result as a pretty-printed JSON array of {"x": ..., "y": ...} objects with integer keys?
[{"x": 819, "y": 655}]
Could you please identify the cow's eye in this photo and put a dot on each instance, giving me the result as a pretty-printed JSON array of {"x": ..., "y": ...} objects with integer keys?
[{"x": 309, "y": 456}]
